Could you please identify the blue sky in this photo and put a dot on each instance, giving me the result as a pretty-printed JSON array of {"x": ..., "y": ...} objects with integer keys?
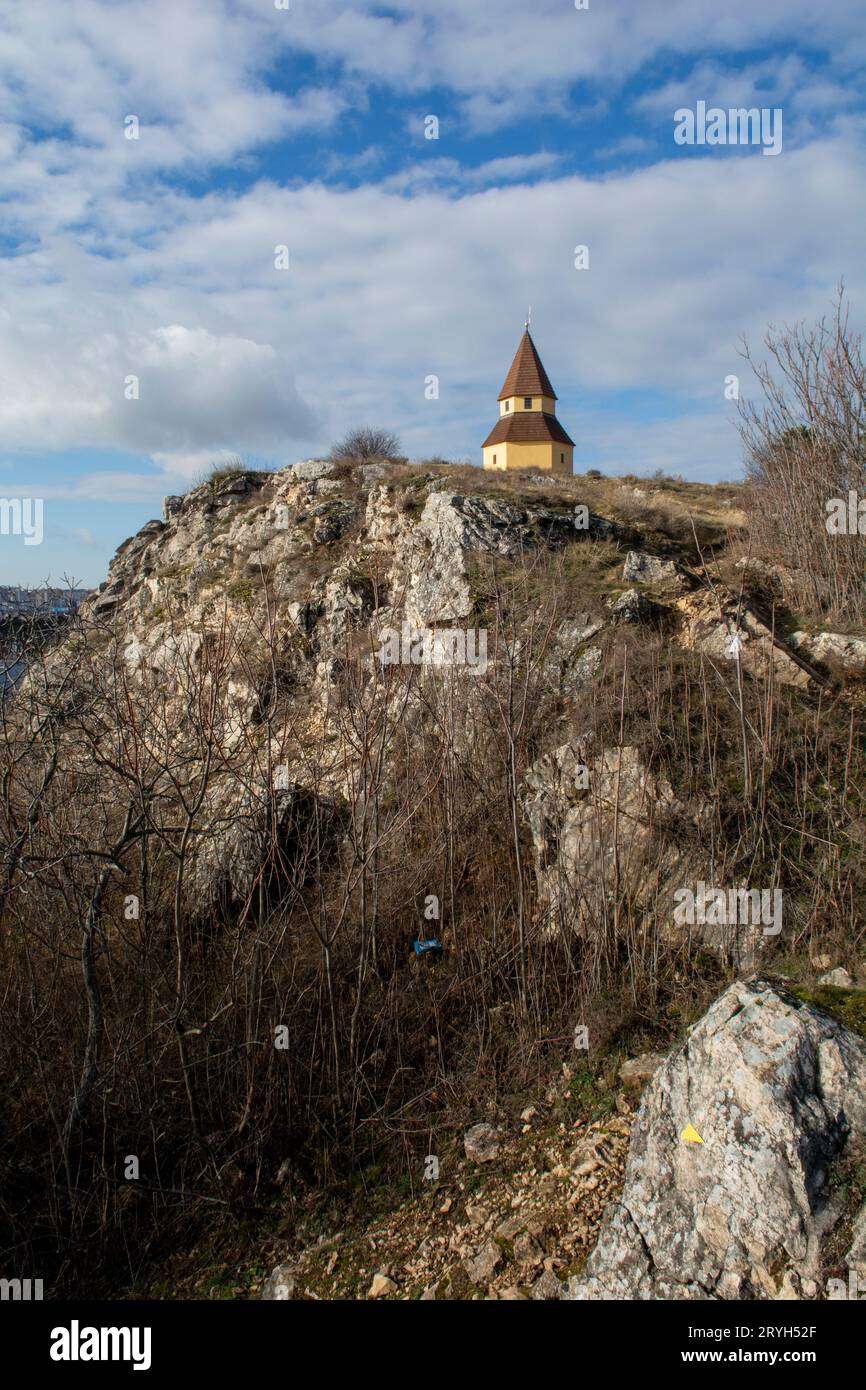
[{"x": 408, "y": 257}]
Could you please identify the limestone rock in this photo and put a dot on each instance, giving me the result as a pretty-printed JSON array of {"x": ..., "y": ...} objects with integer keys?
[
  {"x": 589, "y": 1154},
  {"x": 776, "y": 1089},
  {"x": 705, "y": 628},
  {"x": 571, "y": 664},
  {"x": 528, "y": 1254},
  {"x": 640, "y": 568},
  {"x": 282, "y": 1284},
  {"x": 575, "y": 631},
  {"x": 451, "y": 528},
  {"x": 482, "y": 1267},
  {"x": 848, "y": 652},
  {"x": 373, "y": 472},
  {"x": 856, "y": 1256},
  {"x": 775, "y": 580},
  {"x": 510, "y": 1227},
  {"x": 481, "y": 1143},
  {"x": 637, "y": 1071},
  {"x": 577, "y": 805},
  {"x": 838, "y": 978},
  {"x": 381, "y": 1287},
  {"x": 310, "y": 470},
  {"x": 631, "y": 607},
  {"x": 547, "y": 1286}
]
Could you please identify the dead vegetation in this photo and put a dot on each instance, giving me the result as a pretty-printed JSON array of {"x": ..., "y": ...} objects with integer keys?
[
  {"x": 207, "y": 918},
  {"x": 805, "y": 447}
]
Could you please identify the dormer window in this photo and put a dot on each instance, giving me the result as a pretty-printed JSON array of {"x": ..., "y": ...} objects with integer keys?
[
  {"x": 508, "y": 405},
  {"x": 527, "y": 402}
]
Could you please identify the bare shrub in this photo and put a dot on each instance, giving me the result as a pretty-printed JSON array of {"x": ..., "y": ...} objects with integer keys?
[
  {"x": 805, "y": 444},
  {"x": 367, "y": 443}
]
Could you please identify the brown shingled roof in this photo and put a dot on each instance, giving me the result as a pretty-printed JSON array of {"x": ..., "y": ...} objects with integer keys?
[
  {"x": 526, "y": 376},
  {"x": 527, "y": 427}
]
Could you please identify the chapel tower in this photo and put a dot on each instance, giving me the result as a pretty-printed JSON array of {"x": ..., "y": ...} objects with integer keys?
[{"x": 527, "y": 433}]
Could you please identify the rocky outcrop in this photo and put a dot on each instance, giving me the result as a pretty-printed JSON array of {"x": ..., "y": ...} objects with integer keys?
[
  {"x": 572, "y": 663},
  {"x": 284, "y": 579},
  {"x": 637, "y": 1071},
  {"x": 280, "y": 579},
  {"x": 583, "y": 807},
  {"x": 832, "y": 648},
  {"x": 430, "y": 571},
  {"x": 855, "y": 1259},
  {"x": 640, "y": 568},
  {"x": 838, "y": 978},
  {"x": 724, "y": 628},
  {"x": 434, "y": 558},
  {"x": 727, "y": 1191},
  {"x": 631, "y": 607}
]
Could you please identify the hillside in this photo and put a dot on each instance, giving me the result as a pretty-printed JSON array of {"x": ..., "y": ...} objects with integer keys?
[{"x": 363, "y": 804}]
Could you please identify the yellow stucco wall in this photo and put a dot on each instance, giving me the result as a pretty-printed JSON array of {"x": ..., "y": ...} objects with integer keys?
[
  {"x": 512, "y": 405},
  {"x": 540, "y": 456}
]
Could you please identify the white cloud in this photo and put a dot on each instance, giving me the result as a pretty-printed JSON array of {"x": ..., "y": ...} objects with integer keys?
[
  {"x": 207, "y": 394},
  {"x": 450, "y": 175},
  {"x": 84, "y": 536},
  {"x": 196, "y": 393},
  {"x": 424, "y": 271},
  {"x": 385, "y": 289},
  {"x": 512, "y": 60},
  {"x": 513, "y": 167},
  {"x": 204, "y": 79}
]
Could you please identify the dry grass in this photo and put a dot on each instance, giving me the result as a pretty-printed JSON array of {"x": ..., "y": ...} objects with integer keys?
[{"x": 385, "y": 1055}]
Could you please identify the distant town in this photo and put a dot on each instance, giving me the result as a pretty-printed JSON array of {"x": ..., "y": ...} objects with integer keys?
[{"x": 15, "y": 599}]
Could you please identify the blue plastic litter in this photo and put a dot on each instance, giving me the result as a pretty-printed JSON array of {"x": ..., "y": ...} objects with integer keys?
[{"x": 423, "y": 948}]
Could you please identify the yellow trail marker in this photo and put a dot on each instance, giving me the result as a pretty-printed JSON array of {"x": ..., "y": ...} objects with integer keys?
[{"x": 690, "y": 1135}]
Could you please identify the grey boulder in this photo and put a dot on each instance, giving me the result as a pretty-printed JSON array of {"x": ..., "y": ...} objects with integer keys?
[{"x": 776, "y": 1090}]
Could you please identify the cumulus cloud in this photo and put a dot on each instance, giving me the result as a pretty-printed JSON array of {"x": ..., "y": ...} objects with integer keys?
[
  {"x": 175, "y": 393},
  {"x": 384, "y": 289},
  {"x": 156, "y": 257},
  {"x": 200, "y": 395}
]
